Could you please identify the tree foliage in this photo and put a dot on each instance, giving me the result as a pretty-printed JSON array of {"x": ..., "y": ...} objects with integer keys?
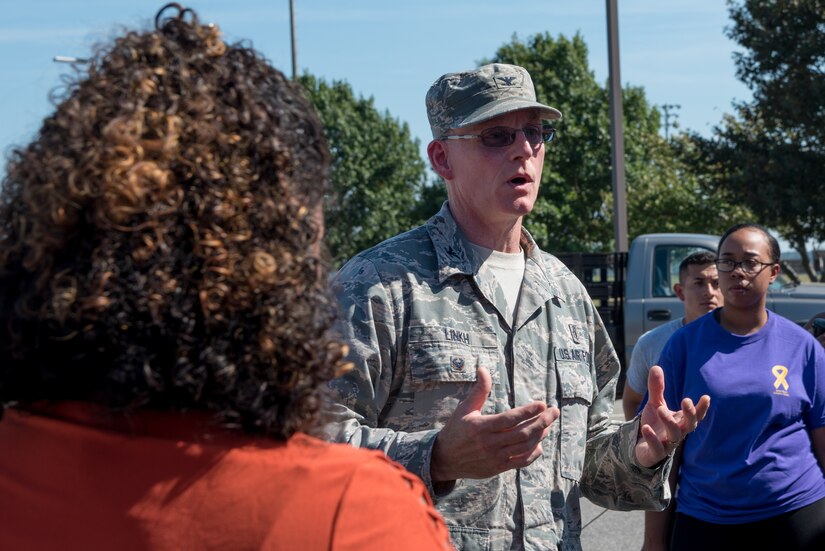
[
  {"x": 377, "y": 175},
  {"x": 666, "y": 194},
  {"x": 770, "y": 154},
  {"x": 784, "y": 63},
  {"x": 575, "y": 206}
]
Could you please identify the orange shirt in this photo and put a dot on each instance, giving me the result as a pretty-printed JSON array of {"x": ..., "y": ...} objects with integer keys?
[{"x": 66, "y": 485}]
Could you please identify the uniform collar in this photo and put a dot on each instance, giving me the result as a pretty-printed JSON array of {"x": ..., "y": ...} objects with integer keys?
[
  {"x": 453, "y": 250},
  {"x": 455, "y": 256}
]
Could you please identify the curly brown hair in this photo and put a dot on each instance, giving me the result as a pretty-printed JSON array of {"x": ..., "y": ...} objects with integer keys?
[{"x": 159, "y": 238}]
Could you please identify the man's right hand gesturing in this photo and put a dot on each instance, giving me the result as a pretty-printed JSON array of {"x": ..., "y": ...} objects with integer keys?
[{"x": 473, "y": 445}]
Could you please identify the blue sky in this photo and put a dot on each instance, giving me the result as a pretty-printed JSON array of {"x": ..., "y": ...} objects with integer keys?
[{"x": 676, "y": 49}]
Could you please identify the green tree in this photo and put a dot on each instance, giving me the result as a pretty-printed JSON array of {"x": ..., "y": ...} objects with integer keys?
[
  {"x": 770, "y": 154},
  {"x": 784, "y": 63},
  {"x": 377, "y": 175},
  {"x": 575, "y": 206},
  {"x": 667, "y": 194}
]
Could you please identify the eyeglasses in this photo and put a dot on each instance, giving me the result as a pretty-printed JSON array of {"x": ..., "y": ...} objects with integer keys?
[
  {"x": 503, "y": 136},
  {"x": 748, "y": 266}
]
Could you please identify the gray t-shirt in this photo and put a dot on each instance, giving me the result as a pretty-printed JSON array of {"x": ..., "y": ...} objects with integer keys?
[{"x": 647, "y": 351}]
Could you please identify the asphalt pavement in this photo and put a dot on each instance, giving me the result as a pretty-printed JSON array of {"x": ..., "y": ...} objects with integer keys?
[{"x": 604, "y": 530}]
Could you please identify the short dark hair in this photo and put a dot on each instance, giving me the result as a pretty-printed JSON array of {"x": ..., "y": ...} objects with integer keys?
[
  {"x": 701, "y": 258},
  {"x": 773, "y": 244},
  {"x": 159, "y": 244}
]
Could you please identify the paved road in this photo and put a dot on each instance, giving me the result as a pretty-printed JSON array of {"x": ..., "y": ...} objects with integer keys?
[{"x": 605, "y": 530}]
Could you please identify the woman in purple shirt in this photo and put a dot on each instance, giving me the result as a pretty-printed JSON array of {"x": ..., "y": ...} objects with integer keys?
[{"x": 752, "y": 474}]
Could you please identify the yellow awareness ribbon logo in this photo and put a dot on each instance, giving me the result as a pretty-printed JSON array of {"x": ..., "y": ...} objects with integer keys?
[{"x": 780, "y": 372}]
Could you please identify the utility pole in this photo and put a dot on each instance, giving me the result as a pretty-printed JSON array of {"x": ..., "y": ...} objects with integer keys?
[
  {"x": 616, "y": 130},
  {"x": 667, "y": 108},
  {"x": 292, "y": 35}
]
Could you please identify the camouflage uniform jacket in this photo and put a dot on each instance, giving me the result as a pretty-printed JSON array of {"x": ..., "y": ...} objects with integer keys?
[{"x": 421, "y": 314}]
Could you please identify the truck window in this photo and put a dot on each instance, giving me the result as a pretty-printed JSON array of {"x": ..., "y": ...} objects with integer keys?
[{"x": 666, "y": 260}]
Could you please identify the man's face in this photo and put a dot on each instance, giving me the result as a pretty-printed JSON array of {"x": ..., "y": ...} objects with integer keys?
[
  {"x": 494, "y": 185},
  {"x": 699, "y": 289}
]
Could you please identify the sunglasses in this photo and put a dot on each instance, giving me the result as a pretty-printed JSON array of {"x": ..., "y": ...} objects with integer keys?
[{"x": 503, "y": 136}]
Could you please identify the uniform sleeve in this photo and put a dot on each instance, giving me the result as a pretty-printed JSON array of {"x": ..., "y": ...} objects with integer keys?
[
  {"x": 612, "y": 478},
  {"x": 386, "y": 507},
  {"x": 370, "y": 324}
]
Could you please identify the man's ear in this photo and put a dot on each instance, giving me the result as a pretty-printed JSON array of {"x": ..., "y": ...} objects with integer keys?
[
  {"x": 679, "y": 290},
  {"x": 439, "y": 159}
]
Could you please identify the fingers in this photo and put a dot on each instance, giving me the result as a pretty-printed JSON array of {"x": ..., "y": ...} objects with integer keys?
[
  {"x": 513, "y": 418},
  {"x": 478, "y": 394},
  {"x": 522, "y": 460},
  {"x": 467, "y": 448},
  {"x": 693, "y": 415},
  {"x": 679, "y": 424},
  {"x": 673, "y": 429},
  {"x": 525, "y": 437},
  {"x": 524, "y": 452},
  {"x": 477, "y": 397},
  {"x": 474, "y": 445},
  {"x": 662, "y": 430},
  {"x": 702, "y": 407},
  {"x": 553, "y": 413},
  {"x": 521, "y": 444},
  {"x": 657, "y": 447},
  {"x": 656, "y": 386}
]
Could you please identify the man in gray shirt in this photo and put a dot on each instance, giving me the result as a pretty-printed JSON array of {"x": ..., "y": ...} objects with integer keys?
[{"x": 698, "y": 288}]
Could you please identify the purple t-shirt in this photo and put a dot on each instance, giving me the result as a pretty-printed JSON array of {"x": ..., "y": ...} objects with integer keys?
[{"x": 751, "y": 458}]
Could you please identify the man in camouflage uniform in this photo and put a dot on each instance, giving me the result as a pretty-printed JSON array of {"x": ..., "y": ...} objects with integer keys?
[{"x": 480, "y": 362}]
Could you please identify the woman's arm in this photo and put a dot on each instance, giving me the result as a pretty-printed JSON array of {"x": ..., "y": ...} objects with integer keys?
[{"x": 818, "y": 439}]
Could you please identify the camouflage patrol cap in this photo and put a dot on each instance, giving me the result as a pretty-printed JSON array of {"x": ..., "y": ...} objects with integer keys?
[{"x": 457, "y": 100}]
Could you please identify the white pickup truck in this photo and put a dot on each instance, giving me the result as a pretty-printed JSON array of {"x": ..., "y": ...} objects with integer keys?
[{"x": 634, "y": 291}]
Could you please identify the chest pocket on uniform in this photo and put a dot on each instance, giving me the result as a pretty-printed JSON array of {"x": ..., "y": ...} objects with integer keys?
[
  {"x": 439, "y": 357},
  {"x": 576, "y": 387}
]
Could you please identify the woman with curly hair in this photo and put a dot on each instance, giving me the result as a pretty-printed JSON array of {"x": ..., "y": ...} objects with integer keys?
[{"x": 164, "y": 317}]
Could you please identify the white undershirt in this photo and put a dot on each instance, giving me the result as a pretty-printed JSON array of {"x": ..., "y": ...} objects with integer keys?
[{"x": 508, "y": 269}]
